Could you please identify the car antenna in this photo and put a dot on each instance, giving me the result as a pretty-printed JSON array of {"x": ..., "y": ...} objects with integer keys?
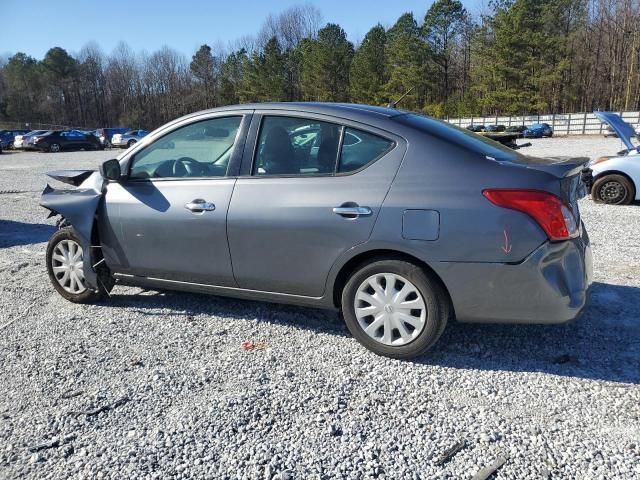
[{"x": 394, "y": 104}]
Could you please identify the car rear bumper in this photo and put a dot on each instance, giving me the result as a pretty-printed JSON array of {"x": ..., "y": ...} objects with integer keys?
[{"x": 550, "y": 286}]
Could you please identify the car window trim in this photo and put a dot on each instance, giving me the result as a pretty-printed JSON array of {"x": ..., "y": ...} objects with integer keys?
[{"x": 245, "y": 121}]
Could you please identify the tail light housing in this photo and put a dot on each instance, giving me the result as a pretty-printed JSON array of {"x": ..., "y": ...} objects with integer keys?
[{"x": 549, "y": 211}]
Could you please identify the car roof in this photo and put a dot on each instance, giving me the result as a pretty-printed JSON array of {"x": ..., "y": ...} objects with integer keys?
[{"x": 353, "y": 111}]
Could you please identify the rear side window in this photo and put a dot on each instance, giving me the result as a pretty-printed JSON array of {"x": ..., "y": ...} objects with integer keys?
[{"x": 360, "y": 149}]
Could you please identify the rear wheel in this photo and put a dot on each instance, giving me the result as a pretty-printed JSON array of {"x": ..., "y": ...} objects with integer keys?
[
  {"x": 66, "y": 270},
  {"x": 614, "y": 190},
  {"x": 395, "y": 308}
]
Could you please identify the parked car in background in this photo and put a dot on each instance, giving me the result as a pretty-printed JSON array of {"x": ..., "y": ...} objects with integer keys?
[
  {"x": 495, "y": 128},
  {"x": 609, "y": 132},
  {"x": 409, "y": 223},
  {"x": 519, "y": 129},
  {"x": 25, "y": 141},
  {"x": 106, "y": 134},
  {"x": 538, "y": 130},
  {"x": 57, "y": 140},
  {"x": 7, "y": 137},
  {"x": 128, "y": 139},
  {"x": 476, "y": 128},
  {"x": 616, "y": 178}
]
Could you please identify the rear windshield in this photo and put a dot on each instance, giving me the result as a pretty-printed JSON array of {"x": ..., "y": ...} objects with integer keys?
[{"x": 461, "y": 137}]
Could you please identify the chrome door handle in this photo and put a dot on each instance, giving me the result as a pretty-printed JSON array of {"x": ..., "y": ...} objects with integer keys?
[
  {"x": 199, "y": 205},
  {"x": 352, "y": 211}
]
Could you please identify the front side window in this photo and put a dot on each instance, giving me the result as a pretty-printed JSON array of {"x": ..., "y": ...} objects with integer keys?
[
  {"x": 201, "y": 149},
  {"x": 296, "y": 146}
]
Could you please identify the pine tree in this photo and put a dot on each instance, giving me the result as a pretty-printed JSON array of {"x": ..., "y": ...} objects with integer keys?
[
  {"x": 204, "y": 68},
  {"x": 231, "y": 73},
  {"x": 405, "y": 58},
  {"x": 265, "y": 75},
  {"x": 368, "y": 74},
  {"x": 443, "y": 22},
  {"x": 325, "y": 65}
]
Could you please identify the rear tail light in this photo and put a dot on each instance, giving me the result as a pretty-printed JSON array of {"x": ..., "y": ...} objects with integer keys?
[{"x": 553, "y": 216}]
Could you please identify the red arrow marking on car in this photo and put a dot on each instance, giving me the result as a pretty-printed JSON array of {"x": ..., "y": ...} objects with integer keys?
[{"x": 507, "y": 246}]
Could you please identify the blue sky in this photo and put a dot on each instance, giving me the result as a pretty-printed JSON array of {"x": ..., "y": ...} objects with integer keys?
[{"x": 37, "y": 25}]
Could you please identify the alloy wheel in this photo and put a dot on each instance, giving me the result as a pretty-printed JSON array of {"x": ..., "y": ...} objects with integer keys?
[{"x": 390, "y": 309}]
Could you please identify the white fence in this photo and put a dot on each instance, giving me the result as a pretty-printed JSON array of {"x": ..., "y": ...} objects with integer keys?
[{"x": 562, "y": 124}]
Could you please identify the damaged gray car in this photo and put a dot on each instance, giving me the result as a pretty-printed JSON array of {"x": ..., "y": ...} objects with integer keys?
[{"x": 400, "y": 221}]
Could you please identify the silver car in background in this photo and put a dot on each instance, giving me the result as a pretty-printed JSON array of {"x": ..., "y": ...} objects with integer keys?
[
  {"x": 400, "y": 221},
  {"x": 128, "y": 139}
]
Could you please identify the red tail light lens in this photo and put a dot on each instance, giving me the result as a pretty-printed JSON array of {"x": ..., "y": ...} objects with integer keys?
[{"x": 553, "y": 216}]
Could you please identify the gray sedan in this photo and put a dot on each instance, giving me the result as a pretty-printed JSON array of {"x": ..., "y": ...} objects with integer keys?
[{"x": 399, "y": 221}]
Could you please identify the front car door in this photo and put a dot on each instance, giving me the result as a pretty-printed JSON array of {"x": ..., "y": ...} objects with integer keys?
[
  {"x": 312, "y": 190},
  {"x": 167, "y": 218}
]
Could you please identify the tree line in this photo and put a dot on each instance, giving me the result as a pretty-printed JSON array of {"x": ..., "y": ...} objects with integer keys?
[{"x": 523, "y": 57}]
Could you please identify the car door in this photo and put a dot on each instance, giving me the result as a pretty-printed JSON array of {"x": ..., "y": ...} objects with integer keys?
[
  {"x": 299, "y": 206},
  {"x": 167, "y": 218}
]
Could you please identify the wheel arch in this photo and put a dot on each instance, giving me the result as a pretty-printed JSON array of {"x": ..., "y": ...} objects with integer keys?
[{"x": 368, "y": 256}]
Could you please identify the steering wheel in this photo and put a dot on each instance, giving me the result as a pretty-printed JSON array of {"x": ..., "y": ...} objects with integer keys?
[{"x": 187, "y": 167}]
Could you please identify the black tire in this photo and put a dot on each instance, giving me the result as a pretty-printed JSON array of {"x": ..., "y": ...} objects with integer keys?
[
  {"x": 54, "y": 148},
  {"x": 10, "y": 146},
  {"x": 130, "y": 143},
  {"x": 613, "y": 189},
  {"x": 433, "y": 294},
  {"x": 87, "y": 296}
]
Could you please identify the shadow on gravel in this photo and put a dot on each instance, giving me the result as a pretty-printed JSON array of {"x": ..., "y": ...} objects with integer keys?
[
  {"x": 19, "y": 233},
  {"x": 603, "y": 344},
  {"x": 190, "y": 304}
]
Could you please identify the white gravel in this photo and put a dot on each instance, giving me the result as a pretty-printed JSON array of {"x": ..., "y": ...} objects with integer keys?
[{"x": 155, "y": 385}]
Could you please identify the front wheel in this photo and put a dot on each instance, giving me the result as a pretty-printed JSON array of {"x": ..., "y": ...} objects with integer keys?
[
  {"x": 613, "y": 190},
  {"x": 131, "y": 143},
  {"x": 54, "y": 148},
  {"x": 394, "y": 308},
  {"x": 66, "y": 270}
]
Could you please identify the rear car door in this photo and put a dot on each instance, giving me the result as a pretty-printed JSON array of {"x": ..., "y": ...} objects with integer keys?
[
  {"x": 167, "y": 218},
  {"x": 310, "y": 190}
]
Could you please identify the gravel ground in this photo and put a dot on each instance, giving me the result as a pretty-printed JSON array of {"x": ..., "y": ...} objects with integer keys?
[{"x": 155, "y": 385}]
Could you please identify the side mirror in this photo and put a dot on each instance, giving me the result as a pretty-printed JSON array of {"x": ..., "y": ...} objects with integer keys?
[{"x": 110, "y": 170}]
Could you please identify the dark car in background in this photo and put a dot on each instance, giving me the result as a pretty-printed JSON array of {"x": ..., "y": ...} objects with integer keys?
[
  {"x": 408, "y": 224},
  {"x": 106, "y": 134},
  {"x": 538, "y": 130},
  {"x": 476, "y": 128},
  {"x": 609, "y": 132},
  {"x": 8, "y": 136},
  {"x": 519, "y": 129},
  {"x": 127, "y": 139},
  {"x": 57, "y": 140},
  {"x": 495, "y": 128}
]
